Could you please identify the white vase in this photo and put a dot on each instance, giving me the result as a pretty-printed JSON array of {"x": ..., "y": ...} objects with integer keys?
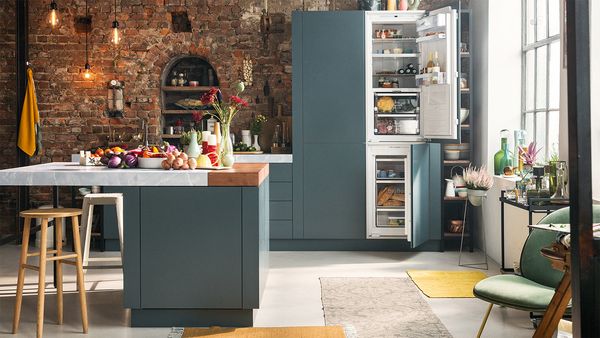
[
  {"x": 255, "y": 144},
  {"x": 476, "y": 196},
  {"x": 246, "y": 138}
]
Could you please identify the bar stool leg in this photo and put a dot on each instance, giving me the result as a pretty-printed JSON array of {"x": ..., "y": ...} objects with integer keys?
[
  {"x": 80, "y": 282},
  {"x": 119, "y": 207},
  {"x": 21, "y": 276},
  {"x": 86, "y": 220},
  {"x": 42, "y": 277},
  {"x": 58, "y": 222}
]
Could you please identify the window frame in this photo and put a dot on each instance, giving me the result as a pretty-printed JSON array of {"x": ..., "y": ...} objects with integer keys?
[{"x": 535, "y": 46}]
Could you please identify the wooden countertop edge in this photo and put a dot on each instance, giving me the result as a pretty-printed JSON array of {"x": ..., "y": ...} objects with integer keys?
[{"x": 242, "y": 175}]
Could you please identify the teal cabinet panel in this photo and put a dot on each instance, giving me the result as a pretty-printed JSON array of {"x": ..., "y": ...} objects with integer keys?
[
  {"x": 281, "y": 210},
  {"x": 281, "y": 191},
  {"x": 421, "y": 210},
  {"x": 191, "y": 247},
  {"x": 333, "y": 80},
  {"x": 435, "y": 191},
  {"x": 280, "y": 172},
  {"x": 297, "y": 136},
  {"x": 334, "y": 191},
  {"x": 281, "y": 229}
]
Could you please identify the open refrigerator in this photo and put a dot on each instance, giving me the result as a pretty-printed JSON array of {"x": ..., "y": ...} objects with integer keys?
[{"x": 408, "y": 102}]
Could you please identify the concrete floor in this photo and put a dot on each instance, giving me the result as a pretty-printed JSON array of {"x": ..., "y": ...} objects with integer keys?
[{"x": 292, "y": 296}]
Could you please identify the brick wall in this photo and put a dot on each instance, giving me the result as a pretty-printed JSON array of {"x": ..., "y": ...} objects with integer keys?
[{"x": 72, "y": 110}]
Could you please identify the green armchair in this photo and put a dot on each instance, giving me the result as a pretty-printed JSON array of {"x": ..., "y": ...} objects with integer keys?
[{"x": 533, "y": 289}]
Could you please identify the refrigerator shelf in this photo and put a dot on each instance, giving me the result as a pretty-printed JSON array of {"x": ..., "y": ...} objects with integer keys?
[
  {"x": 396, "y": 56},
  {"x": 390, "y": 181},
  {"x": 390, "y": 209},
  {"x": 397, "y": 115}
]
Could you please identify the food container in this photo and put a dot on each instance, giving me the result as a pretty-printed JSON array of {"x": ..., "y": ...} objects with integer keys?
[
  {"x": 150, "y": 163},
  {"x": 451, "y": 154},
  {"x": 406, "y": 127},
  {"x": 194, "y": 83},
  {"x": 461, "y": 192},
  {"x": 456, "y": 226}
]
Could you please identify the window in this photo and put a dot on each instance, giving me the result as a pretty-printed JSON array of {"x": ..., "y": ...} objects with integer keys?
[{"x": 541, "y": 74}]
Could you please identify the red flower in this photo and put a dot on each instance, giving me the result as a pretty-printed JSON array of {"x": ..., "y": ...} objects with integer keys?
[
  {"x": 239, "y": 100},
  {"x": 197, "y": 116},
  {"x": 210, "y": 96}
]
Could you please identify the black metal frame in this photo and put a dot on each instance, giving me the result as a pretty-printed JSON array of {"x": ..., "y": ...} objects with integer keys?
[
  {"x": 585, "y": 250},
  {"x": 534, "y": 205}
]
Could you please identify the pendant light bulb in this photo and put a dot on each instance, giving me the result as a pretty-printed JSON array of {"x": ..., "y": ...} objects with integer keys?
[
  {"x": 116, "y": 38},
  {"x": 87, "y": 72},
  {"x": 53, "y": 15}
]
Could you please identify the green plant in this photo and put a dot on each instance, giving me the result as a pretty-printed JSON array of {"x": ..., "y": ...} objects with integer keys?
[{"x": 257, "y": 124}]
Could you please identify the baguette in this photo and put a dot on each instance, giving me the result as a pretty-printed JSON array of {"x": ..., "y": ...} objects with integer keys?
[{"x": 385, "y": 194}]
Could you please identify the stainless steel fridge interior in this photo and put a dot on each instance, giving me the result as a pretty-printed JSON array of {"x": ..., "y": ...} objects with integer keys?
[{"x": 388, "y": 192}]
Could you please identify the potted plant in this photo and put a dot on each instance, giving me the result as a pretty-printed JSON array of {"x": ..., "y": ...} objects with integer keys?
[
  {"x": 256, "y": 127},
  {"x": 478, "y": 182}
]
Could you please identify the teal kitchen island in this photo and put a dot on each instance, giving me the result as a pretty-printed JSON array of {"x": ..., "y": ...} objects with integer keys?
[{"x": 195, "y": 242}]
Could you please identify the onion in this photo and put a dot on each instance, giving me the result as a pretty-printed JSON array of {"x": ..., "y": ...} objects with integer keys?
[
  {"x": 185, "y": 166},
  {"x": 165, "y": 165},
  {"x": 183, "y": 156},
  {"x": 192, "y": 163},
  {"x": 131, "y": 161},
  {"x": 170, "y": 158},
  {"x": 178, "y": 163},
  {"x": 114, "y": 162}
]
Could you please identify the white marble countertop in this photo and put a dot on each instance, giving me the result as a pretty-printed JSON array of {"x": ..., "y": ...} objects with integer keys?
[
  {"x": 254, "y": 158},
  {"x": 264, "y": 158},
  {"x": 72, "y": 174}
]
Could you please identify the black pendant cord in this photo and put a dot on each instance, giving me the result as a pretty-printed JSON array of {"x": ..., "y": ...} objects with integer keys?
[{"x": 86, "y": 34}]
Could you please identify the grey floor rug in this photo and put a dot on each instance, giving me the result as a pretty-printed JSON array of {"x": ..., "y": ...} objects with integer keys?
[{"x": 379, "y": 307}]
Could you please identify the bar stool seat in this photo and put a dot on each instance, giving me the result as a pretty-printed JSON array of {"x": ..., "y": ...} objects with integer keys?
[
  {"x": 89, "y": 201},
  {"x": 56, "y": 255}
]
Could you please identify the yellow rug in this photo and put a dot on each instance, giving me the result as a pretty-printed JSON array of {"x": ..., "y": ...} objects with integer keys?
[
  {"x": 446, "y": 284},
  {"x": 267, "y": 332}
]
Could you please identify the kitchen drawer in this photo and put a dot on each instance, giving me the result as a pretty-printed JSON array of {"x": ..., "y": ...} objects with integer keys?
[
  {"x": 280, "y": 172},
  {"x": 281, "y": 191},
  {"x": 281, "y": 230},
  {"x": 280, "y": 210}
]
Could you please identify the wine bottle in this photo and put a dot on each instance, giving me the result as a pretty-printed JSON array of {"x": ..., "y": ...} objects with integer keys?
[
  {"x": 430, "y": 63},
  {"x": 401, "y": 71},
  {"x": 436, "y": 63}
]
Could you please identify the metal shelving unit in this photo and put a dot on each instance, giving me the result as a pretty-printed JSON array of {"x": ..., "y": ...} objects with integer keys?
[{"x": 453, "y": 207}]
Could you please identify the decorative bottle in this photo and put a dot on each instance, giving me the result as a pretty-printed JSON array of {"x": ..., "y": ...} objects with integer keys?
[{"x": 501, "y": 159}]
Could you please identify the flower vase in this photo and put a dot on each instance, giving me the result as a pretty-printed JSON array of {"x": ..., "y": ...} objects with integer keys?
[
  {"x": 255, "y": 144},
  {"x": 476, "y": 196},
  {"x": 193, "y": 149},
  {"x": 227, "y": 158}
]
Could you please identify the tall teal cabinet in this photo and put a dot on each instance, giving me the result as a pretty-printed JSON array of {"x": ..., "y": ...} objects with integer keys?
[{"x": 329, "y": 138}]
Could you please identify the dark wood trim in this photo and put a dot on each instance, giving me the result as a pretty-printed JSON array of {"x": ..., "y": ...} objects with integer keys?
[
  {"x": 585, "y": 281},
  {"x": 22, "y": 57}
]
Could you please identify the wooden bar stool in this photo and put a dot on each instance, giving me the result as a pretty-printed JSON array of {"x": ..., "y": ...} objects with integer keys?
[
  {"x": 89, "y": 200},
  {"x": 56, "y": 255}
]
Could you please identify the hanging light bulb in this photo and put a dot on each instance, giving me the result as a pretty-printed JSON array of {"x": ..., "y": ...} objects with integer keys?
[
  {"x": 53, "y": 15},
  {"x": 87, "y": 72},
  {"x": 115, "y": 36}
]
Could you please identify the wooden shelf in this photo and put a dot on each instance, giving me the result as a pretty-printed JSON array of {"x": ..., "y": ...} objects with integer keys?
[
  {"x": 455, "y": 234},
  {"x": 465, "y": 91},
  {"x": 179, "y": 111},
  {"x": 446, "y": 198},
  {"x": 454, "y": 162},
  {"x": 169, "y": 136},
  {"x": 185, "y": 88},
  {"x": 465, "y": 54},
  {"x": 465, "y": 126}
]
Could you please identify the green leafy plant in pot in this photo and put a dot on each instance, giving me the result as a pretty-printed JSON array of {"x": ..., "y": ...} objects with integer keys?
[{"x": 478, "y": 182}]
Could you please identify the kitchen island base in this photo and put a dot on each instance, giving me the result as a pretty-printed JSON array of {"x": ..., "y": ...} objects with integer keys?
[
  {"x": 195, "y": 256},
  {"x": 191, "y": 317}
]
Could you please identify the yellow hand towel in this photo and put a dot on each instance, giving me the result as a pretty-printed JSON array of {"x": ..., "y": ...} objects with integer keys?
[{"x": 30, "y": 116}]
